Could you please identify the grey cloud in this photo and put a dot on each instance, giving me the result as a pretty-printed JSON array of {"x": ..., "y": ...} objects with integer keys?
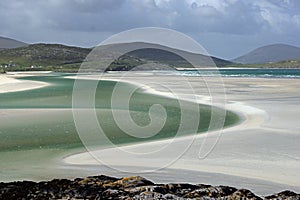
[
  {"x": 239, "y": 17},
  {"x": 261, "y": 19},
  {"x": 93, "y": 6}
]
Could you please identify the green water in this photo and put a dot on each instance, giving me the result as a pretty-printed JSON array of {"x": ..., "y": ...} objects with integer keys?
[{"x": 55, "y": 128}]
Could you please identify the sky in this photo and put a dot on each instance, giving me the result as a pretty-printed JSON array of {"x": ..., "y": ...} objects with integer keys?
[{"x": 225, "y": 28}]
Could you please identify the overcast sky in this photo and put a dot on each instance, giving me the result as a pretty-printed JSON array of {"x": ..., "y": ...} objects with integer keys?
[{"x": 226, "y": 28}]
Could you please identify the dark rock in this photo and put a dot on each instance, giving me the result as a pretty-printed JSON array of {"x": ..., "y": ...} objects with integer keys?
[
  {"x": 110, "y": 194},
  {"x": 243, "y": 194},
  {"x": 155, "y": 195},
  {"x": 211, "y": 191},
  {"x": 104, "y": 178},
  {"x": 177, "y": 189},
  {"x": 133, "y": 181},
  {"x": 226, "y": 190},
  {"x": 289, "y": 195},
  {"x": 135, "y": 187}
]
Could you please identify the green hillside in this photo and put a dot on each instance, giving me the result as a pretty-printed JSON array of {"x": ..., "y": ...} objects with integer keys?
[
  {"x": 172, "y": 57},
  {"x": 43, "y": 57},
  {"x": 57, "y": 57}
]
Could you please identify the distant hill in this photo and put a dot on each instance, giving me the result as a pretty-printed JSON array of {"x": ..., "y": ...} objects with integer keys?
[
  {"x": 44, "y": 55},
  {"x": 270, "y": 53},
  {"x": 158, "y": 54},
  {"x": 173, "y": 57},
  {"x": 67, "y": 58},
  {"x": 7, "y": 43},
  {"x": 284, "y": 64}
]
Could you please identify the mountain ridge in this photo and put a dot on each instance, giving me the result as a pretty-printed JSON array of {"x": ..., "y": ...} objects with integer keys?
[
  {"x": 62, "y": 57},
  {"x": 269, "y": 54}
]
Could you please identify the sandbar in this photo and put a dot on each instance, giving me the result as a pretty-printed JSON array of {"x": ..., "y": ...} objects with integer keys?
[
  {"x": 9, "y": 83},
  {"x": 263, "y": 147}
]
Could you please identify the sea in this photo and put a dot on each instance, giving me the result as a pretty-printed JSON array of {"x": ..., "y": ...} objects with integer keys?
[{"x": 238, "y": 72}]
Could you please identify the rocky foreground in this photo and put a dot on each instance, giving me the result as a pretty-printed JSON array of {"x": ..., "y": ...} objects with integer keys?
[{"x": 136, "y": 187}]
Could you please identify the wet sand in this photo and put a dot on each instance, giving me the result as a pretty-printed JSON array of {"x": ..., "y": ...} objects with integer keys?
[
  {"x": 261, "y": 153},
  {"x": 263, "y": 148},
  {"x": 9, "y": 83}
]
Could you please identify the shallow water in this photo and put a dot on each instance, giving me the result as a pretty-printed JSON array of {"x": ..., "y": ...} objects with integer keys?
[
  {"x": 42, "y": 118},
  {"x": 249, "y": 72}
]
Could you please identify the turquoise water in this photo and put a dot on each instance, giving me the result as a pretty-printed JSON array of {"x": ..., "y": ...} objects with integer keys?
[
  {"x": 266, "y": 73},
  {"x": 55, "y": 128},
  {"x": 259, "y": 73}
]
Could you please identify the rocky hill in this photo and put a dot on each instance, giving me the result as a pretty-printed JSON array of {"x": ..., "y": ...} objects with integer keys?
[
  {"x": 170, "y": 56},
  {"x": 16, "y": 55},
  {"x": 42, "y": 55},
  {"x": 59, "y": 57},
  {"x": 130, "y": 188},
  {"x": 269, "y": 54}
]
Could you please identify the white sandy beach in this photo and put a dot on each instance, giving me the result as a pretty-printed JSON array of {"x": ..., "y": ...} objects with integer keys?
[
  {"x": 261, "y": 153},
  {"x": 9, "y": 83},
  {"x": 264, "y": 147}
]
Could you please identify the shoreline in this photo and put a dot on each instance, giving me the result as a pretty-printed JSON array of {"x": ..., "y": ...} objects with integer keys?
[
  {"x": 9, "y": 83},
  {"x": 103, "y": 186},
  {"x": 241, "y": 151},
  {"x": 256, "y": 119}
]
